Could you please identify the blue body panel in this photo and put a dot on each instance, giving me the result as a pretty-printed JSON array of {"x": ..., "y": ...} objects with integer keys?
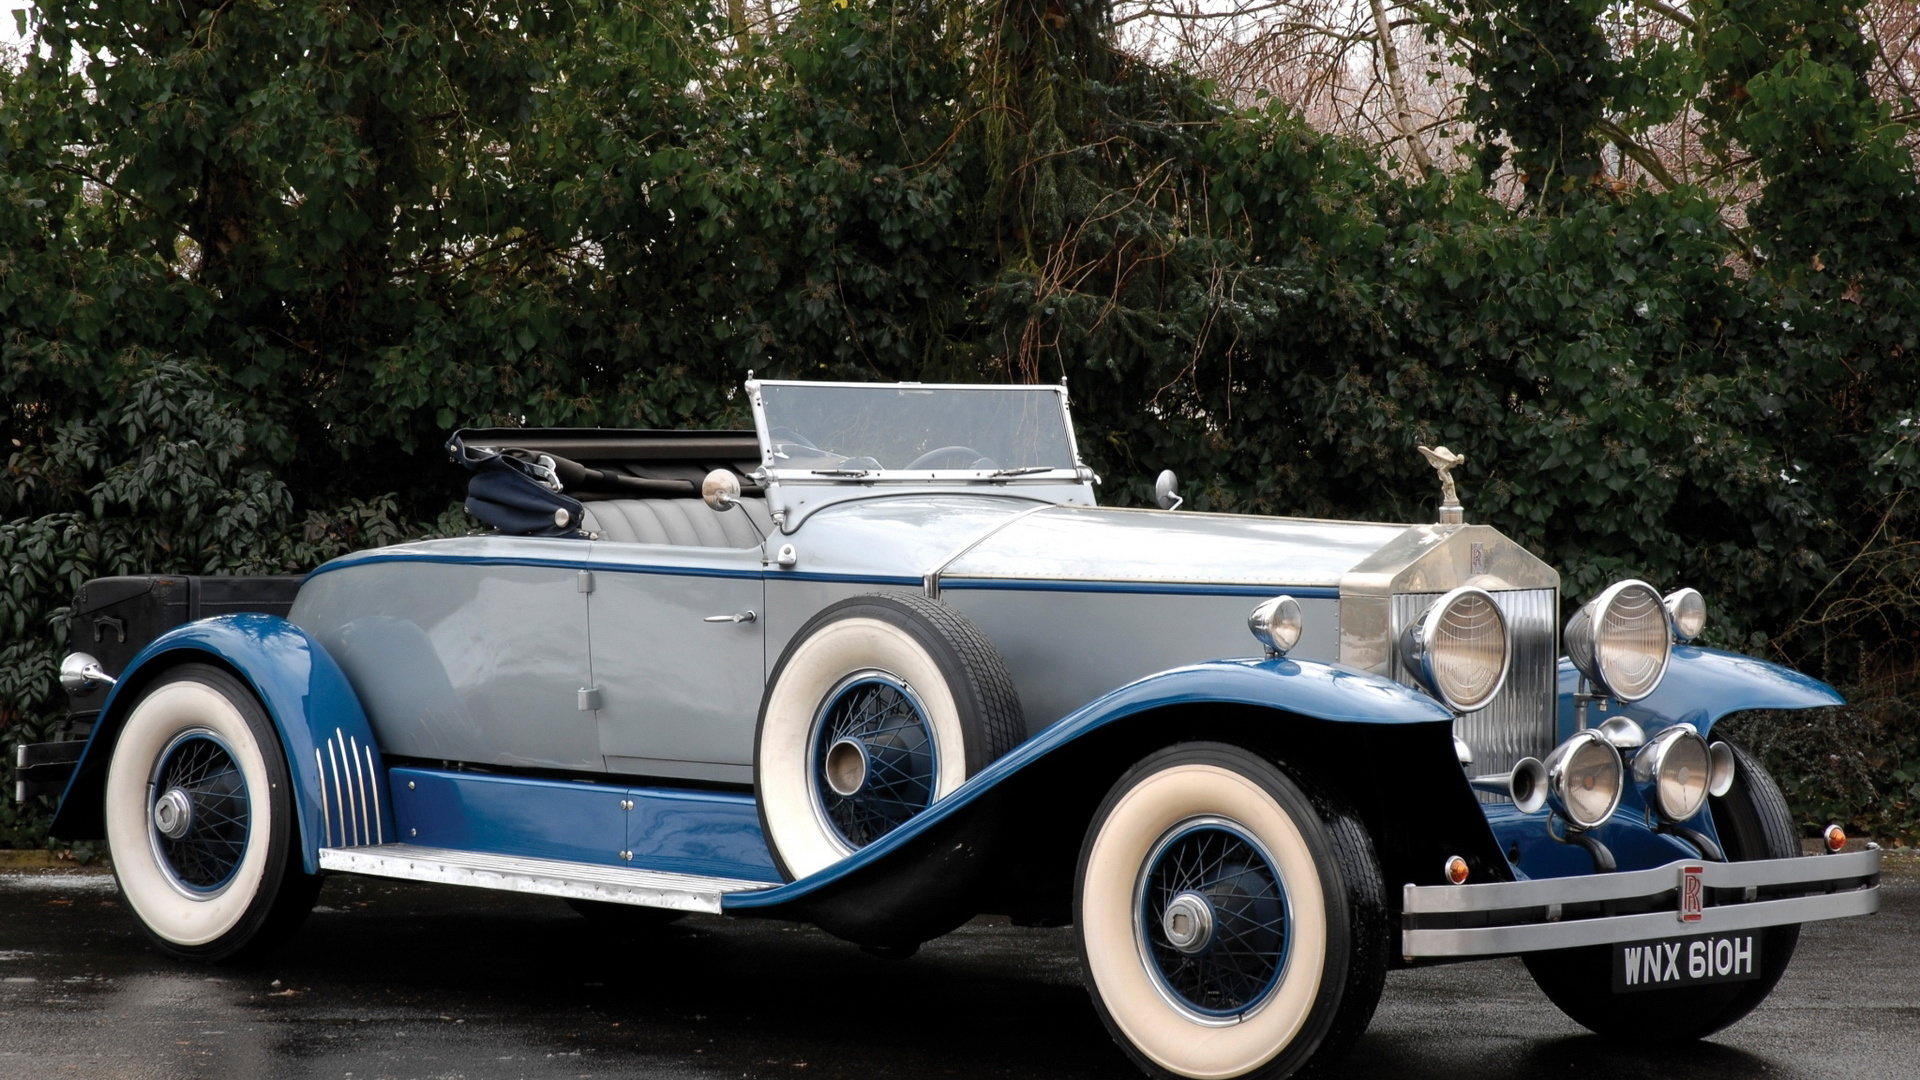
[
  {"x": 304, "y": 692},
  {"x": 1703, "y": 685},
  {"x": 687, "y": 832},
  {"x": 1322, "y": 691}
]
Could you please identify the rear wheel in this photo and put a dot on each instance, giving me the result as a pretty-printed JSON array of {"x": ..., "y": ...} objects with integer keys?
[
  {"x": 200, "y": 819},
  {"x": 1227, "y": 926},
  {"x": 1753, "y": 823}
]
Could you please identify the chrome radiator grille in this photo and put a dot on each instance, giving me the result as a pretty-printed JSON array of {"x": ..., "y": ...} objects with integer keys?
[{"x": 1520, "y": 721}]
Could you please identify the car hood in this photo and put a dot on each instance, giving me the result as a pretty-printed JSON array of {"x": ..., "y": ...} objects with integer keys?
[
  {"x": 1178, "y": 547},
  {"x": 1000, "y": 538}
]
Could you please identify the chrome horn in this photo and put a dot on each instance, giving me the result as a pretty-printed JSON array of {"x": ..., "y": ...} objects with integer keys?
[{"x": 1526, "y": 785}]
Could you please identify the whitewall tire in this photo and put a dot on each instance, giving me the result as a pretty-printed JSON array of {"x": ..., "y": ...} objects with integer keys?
[
  {"x": 1216, "y": 919},
  {"x": 199, "y": 815},
  {"x": 880, "y": 706}
]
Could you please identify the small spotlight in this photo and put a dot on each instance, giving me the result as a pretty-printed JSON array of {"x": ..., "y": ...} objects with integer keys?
[
  {"x": 1456, "y": 870},
  {"x": 1836, "y": 838}
]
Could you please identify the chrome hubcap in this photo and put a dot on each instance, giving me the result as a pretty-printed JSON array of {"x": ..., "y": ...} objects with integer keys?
[
  {"x": 1188, "y": 923},
  {"x": 872, "y": 763},
  {"x": 173, "y": 813},
  {"x": 847, "y": 767}
]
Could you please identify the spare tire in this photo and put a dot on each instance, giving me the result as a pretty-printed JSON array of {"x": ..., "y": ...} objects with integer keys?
[{"x": 879, "y": 706}]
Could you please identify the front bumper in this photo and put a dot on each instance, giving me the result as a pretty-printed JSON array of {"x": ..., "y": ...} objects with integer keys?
[{"x": 1457, "y": 922}]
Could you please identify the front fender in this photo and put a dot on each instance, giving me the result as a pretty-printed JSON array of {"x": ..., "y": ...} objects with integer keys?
[
  {"x": 902, "y": 886},
  {"x": 340, "y": 795},
  {"x": 1703, "y": 685}
]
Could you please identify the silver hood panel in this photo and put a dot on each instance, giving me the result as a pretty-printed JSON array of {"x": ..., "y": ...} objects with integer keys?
[{"x": 1103, "y": 544}]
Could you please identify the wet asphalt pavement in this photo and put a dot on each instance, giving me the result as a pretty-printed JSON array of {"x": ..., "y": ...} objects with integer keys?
[{"x": 391, "y": 979}]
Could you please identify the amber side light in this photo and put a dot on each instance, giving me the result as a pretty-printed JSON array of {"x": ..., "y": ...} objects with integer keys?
[
  {"x": 1836, "y": 838},
  {"x": 1457, "y": 870}
]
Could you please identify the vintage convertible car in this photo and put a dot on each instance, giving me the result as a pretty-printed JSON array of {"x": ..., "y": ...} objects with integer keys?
[{"x": 884, "y": 665}]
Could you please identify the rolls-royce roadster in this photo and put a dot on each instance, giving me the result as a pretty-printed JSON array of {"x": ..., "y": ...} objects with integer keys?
[{"x": 884, "y": 664}]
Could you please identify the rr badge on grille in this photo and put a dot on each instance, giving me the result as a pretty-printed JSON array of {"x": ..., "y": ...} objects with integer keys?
[{"x": 1692, "y": 892}]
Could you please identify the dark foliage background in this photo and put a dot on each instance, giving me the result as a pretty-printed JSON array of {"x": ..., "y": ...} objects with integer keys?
[{"x": 255, "y": 260}]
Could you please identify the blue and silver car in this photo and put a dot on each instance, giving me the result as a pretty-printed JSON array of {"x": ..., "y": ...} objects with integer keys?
[{"x": 885, "y": 664}]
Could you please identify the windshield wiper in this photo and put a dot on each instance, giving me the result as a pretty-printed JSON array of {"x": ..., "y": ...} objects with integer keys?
[
  {"x": 1022, "y": 471},
  {"x": 840, "y": 472}
]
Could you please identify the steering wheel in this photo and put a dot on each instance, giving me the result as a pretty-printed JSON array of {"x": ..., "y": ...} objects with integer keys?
[{"x": 963, "y": 457}]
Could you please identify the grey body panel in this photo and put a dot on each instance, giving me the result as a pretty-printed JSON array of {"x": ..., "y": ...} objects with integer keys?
[
  {"x": 1103, "y": 544},
  {"x": 678, "y": 695},
  {"x": 460, "y": 660},
  {"x": 471, "y": 662},
  {"x": 1065, "y": 648}
]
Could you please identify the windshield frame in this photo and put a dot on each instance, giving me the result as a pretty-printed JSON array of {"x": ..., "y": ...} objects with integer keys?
[{"x": 1077, "y": 472}]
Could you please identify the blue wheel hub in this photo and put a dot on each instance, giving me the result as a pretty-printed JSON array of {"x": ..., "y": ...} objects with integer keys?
[
  {"x": 873, "y": 759},
  {"x": 1212, "y": 919},
  {"x": 198, "y": 813}
]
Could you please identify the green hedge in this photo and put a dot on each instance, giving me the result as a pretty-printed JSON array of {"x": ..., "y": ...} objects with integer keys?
[{"x": 255, "y": 261}]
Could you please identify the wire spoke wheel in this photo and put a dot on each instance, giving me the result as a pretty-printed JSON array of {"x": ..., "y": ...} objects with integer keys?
[
  {"x": 874, "y": 761},
  {"x": 1228, "y": 926},
  {"x": 879, "y": 707},
  {"x": 199, "y": 819},
  {"x": 1212, "y": 918}
]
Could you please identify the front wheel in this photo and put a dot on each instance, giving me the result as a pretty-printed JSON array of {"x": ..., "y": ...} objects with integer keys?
[
  {"x": 200, "y": 819},
  {"x": 1227, "y": 928},
  {"x": 1754, "y": 823}
]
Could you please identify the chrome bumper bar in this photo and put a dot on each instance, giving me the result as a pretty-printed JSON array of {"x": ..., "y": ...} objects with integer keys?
[{"x": 1507, "y": 917}]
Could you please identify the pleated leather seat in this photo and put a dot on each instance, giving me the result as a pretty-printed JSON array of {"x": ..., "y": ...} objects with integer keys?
[{"x": 685, "y": 522}]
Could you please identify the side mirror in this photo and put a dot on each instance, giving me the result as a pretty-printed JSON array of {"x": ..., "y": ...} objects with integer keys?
[
  {"x": 1165, "y": 490},
  {"x": 721, "y": 489}
]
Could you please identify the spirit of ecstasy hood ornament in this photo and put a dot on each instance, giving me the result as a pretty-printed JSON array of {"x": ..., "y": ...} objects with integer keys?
[{"x": 1443, "y": 460}]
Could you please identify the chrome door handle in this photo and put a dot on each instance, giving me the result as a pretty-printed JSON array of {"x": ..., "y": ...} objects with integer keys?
[{"x": 737, "y": 617}]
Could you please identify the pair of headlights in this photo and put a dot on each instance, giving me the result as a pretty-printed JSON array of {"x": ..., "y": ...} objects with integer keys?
[
  {"x": 1585, "y": 776},
  {"x": 1620, "y": 640}
]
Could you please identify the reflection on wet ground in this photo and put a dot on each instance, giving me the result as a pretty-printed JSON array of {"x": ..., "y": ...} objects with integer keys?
[{"x": 403, "y": 980}]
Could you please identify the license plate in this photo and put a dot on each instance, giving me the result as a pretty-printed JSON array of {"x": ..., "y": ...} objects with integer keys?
[{"x": 1686, "y": 961}]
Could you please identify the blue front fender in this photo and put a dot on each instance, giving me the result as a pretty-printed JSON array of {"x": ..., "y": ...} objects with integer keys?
[
  {"x": 313, "y": 707},
  {"x": 1300, "y": 687},
  {"x": 1703, "y": 685}
]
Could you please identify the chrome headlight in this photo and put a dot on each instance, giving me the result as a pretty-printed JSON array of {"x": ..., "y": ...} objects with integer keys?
[
  {"x": 1687, "y": 610},
  {"x": 1621, "y": 640},
  {"x": 1583, "y": 779},
  {"x": 1459, "y": 648},
  {"x": 1675, "y": 770},
  {"x": 1277, "y": 623}
]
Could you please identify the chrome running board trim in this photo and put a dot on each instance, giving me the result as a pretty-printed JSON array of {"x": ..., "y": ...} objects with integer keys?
[{"x": 546, "y": 877}]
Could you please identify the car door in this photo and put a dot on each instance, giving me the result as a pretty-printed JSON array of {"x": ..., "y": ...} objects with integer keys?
[{"x": 678, "y": 655}]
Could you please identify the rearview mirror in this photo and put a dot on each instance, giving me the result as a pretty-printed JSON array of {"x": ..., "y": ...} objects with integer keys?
[
  {"x": 1165, "y": 490},
  {"x": 721, "y": 489}
]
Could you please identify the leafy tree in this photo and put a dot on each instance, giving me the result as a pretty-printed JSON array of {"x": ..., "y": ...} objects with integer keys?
[{"x": 256, "y": 260}]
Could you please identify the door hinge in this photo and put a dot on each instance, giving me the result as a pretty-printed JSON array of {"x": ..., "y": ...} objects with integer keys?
[
  {"x": 585, "y": 581},
  {"x": 589, "y": 698}
]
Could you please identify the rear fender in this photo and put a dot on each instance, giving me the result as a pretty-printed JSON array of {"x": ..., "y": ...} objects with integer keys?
[
  {"x": 340, "y": 793},
  {"x": 1008, "y": 839}
]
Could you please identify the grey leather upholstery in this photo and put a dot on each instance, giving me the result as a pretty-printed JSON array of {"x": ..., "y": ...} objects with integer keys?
[{"x": 686, "y": 522}]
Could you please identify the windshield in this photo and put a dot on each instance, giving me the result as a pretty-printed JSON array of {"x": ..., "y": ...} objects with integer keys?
[{"x": 828, "y": 428}]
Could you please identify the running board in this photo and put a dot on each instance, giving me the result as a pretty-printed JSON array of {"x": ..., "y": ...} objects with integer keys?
[{"x": 547, "y": 877}]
